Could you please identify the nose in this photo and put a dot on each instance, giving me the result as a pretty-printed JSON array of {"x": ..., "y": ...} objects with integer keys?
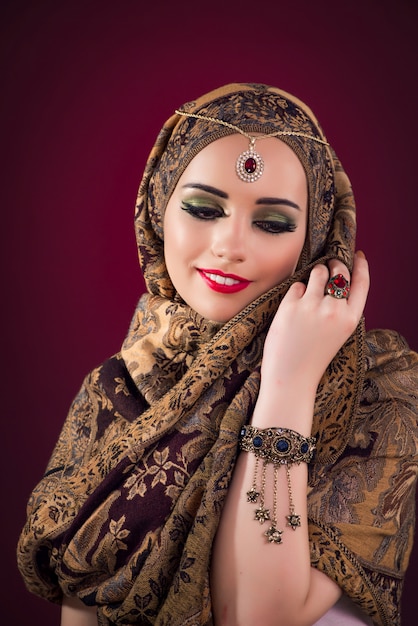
[{"x": 229, "y": 240}]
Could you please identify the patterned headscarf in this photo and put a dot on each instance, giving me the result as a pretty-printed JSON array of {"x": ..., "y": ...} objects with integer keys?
[
  {"x": 126, "y": 515},
  {"x": 330, "y": 230}
]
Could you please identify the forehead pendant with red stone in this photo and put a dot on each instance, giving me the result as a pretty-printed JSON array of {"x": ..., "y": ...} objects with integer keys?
[{"x": 250, "y": 164}]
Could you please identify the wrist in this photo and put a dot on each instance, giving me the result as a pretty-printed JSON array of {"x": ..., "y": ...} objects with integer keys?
[{"x": 285, "y": 408}]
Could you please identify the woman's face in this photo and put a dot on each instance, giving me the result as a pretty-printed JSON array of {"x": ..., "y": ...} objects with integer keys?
[{"x": 227, "y": 241}]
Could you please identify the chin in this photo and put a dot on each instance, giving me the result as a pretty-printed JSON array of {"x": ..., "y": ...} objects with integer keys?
[{"x": 220, "y": 317}]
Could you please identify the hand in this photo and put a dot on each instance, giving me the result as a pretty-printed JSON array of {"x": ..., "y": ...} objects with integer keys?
[{"x": 309, "y": 327}]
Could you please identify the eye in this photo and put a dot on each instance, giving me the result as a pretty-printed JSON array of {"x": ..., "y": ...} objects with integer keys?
[
  {"x": 202, "y": 211},
  {"x": 275, "y": 226}
]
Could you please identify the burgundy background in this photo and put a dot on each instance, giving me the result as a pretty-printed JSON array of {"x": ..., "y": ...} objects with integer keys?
[{"x": 86, "y": 87}]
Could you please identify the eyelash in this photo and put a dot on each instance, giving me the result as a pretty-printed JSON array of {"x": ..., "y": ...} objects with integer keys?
[
  {"x": 202, "y": 212},
  {"x": 205, "y": 213},
  {"x": 274, "y": 227}
]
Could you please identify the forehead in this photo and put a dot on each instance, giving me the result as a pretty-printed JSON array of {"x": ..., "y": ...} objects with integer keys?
[{"x": 218, "y": 161}]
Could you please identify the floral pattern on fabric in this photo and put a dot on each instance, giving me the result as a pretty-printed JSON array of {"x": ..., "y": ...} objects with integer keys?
[{"x": 126, "y": 513}]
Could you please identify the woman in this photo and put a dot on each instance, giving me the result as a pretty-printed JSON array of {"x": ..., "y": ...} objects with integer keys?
[{"x": 185, "y": 487}]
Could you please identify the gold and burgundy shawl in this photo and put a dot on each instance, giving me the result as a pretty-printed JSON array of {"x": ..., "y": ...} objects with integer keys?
[{"x": 126, "y": 513}]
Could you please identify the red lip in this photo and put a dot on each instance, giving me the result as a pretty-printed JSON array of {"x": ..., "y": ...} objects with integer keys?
[{"x": 208, "y": 274}]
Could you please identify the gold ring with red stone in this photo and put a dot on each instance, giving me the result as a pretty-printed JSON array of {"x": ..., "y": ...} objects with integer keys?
[{"x": 338, "y": 287}]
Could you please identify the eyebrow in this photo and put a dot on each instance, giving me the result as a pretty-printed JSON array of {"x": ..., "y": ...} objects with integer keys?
[
  {"x": 222, "y": 194},
  {"x": 278, "y": 201},
  {"x": 208, "y": 188}
]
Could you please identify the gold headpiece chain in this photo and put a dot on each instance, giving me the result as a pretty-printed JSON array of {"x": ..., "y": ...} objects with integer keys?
[
  {"x": 287, "y": 133},
  {"x": 250, "y": 164}
]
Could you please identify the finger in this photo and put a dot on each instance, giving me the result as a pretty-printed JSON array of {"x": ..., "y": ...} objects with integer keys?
[
  {"x": 360, "y": 282},
  {"x": 317, "y": 280},
  {"x": 295, "y": 292},
  {"x": 338, "y": 267}
]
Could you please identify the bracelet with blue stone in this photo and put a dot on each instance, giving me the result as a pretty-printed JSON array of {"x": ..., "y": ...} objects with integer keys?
[{"x": 277, "y": 445}]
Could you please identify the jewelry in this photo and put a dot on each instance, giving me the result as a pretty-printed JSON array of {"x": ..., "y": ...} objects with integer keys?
[
  {"x": 338, "y": 287},
  {"x": 250, "y": 164},
  {"x": 276, "y": 446}
]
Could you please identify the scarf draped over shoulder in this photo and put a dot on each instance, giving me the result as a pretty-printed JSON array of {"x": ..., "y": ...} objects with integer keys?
[{"x": 126, "y": 513}]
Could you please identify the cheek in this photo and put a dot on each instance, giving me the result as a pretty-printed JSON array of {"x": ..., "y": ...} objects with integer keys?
[
  {"x": 182, "y": 240},
  {"x": 302, "y": 240},
  {"x": 176, "y": 239},
  {"x": 302, "y": 235},
  {"x": 287, "y": 257}
]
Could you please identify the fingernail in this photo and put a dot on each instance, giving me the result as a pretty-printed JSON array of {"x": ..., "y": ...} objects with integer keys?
[{"x": 361, "y": 254}]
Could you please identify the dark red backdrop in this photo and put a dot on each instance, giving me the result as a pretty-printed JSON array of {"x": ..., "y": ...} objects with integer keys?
[{"x": 85, "y": 88}]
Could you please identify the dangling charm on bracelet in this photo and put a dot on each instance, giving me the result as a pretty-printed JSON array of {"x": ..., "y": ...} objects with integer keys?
[
  {"x": 273, "y": 534},
  {"x": 293, "y": 520},
  {"x": 276, "y": 446}
]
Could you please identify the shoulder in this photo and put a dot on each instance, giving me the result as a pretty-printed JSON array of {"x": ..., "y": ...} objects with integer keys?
[
  {"x": 389, "y": 402},
  {"x": 387, "y": 352},
  {"x": 384, "y": 340}
]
